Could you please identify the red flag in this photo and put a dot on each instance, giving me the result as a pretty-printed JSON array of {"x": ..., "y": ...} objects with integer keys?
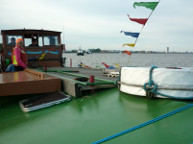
[
  {"x": 129, "y": 53},
  {"x": 140, "y": 21}
]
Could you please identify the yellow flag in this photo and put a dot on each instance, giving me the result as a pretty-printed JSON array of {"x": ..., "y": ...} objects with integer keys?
[{"x": 131, "y": 45}]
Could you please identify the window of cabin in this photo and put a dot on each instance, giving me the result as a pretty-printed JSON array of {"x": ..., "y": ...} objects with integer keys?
[
  {"x": 11, "y": 39},
  {"x": 28, "y": 41},
  {"x": 50, "y": 40},
  {"x": 40, "y": 41},
  {"x": 33, "y": 40}
]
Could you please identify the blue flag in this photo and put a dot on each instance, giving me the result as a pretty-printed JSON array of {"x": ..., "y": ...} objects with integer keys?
[{"x": 132, "y": 34}]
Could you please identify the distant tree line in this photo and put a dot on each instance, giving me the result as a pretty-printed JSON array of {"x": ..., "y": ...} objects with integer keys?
[{"x": 95, "y": 50}]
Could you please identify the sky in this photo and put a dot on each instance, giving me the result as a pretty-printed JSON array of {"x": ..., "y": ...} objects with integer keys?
[{"x": 97, "y": 23}]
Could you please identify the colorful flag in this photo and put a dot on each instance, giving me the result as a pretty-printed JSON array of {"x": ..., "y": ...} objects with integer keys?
[
  {"x": 149, "y": 5},
  {"x": 109, "y": 67},
  {"x": 129, "y": 53},
  {"x": 105, "y": 65},
  {"x": 131, "y": 45},
  {"x": 140, "y": 21},
  {"x": 83, "y": 65},
  {"x": 131, "y": 34},
  {"x": 117, "y": 65}
]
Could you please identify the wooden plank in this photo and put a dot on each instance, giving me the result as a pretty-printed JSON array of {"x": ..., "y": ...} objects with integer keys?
[
  {"x": 27, "y": 82},
  {"x": 35, "y": 73}
]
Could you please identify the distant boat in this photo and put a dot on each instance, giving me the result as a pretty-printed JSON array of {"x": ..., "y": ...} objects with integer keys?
[
  {"x": 88, "y": 52},
  {"x": 80, "y": 52}
]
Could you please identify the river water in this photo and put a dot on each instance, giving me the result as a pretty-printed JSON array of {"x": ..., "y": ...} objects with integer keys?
[{"x": 143, "y": 60}]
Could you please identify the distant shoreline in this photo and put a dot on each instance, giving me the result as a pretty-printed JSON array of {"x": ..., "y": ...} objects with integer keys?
[
  {"x": 138, "y": 52},
  {"x": 98, "y": 50}
]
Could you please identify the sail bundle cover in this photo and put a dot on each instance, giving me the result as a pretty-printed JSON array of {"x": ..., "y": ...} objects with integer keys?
[{"x": 149, "y": 5}]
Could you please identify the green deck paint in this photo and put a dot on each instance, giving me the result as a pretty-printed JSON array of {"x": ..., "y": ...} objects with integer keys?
[{"x": 87, "y": 119}]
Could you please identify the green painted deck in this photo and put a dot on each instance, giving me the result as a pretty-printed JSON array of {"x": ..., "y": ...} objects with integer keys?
[
  {"x": 98, "y": 73},
  {"x": 88, "y": 119}
]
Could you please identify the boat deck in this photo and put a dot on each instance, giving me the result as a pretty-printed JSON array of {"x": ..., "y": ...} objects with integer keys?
[
  {"x": 98, "y": 73},
  {"x": 72, "y": 80},
  {"x": 90, "y": 118}
]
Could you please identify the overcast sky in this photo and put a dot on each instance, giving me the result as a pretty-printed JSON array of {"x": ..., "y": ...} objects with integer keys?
[{"x": 97, "y": 23}]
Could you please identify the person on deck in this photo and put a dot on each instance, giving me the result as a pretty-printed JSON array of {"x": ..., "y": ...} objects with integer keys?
[
  {"x": 19, "y": 58},
  {"x": 12, "y": 43},
  {"x": 34, "y": 43}
]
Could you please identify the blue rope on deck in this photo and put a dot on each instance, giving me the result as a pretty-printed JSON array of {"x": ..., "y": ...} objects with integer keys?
[{"x": 145, "y": 124}]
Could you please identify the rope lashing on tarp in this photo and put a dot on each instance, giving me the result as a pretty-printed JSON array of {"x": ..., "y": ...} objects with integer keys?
[
  {"x": 151, "y": 88},
  {"x": 145, "y": 124}
]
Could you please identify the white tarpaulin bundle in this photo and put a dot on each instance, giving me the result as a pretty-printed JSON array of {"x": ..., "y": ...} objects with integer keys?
[{"x": 170, "y": 82}]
